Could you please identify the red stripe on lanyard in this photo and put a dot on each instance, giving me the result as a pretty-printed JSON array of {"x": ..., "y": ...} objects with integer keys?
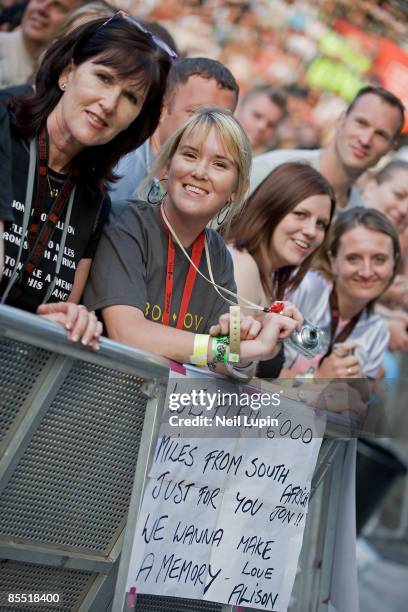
[{"x": 196, "y": 254}]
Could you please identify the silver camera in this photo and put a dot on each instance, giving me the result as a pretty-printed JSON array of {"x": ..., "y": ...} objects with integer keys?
[{"x": 308, "y": 340}]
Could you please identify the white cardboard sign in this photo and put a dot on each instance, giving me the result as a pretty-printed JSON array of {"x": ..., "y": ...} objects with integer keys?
[{"x": 222, "y": 519}]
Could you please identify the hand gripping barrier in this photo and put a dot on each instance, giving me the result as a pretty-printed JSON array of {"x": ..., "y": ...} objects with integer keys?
[{"x": 76, "y": 432}]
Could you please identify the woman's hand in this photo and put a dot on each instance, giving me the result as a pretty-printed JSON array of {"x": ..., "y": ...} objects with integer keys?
[
  {"x": 80, "y": 324},
  {"x": 292, "y": 312},
  {"x": 250, "y": 327},
  {"x": 275, "y": 327},
  {"x": 341, "y": 364}
]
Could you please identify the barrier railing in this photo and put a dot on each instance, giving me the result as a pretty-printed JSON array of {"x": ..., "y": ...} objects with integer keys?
[{"x": 76, "y": 432}]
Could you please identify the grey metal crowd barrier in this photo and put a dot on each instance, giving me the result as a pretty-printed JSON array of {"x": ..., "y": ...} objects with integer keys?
[{"x": 76, "y": 431}]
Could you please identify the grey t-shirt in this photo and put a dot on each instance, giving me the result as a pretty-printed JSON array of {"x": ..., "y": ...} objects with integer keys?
[
  {"x": 265, "y": 163},
  {"x": 130, "y": 269}
]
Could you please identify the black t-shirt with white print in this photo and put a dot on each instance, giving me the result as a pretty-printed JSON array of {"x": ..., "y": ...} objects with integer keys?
[{"x": 89, "y": 213}]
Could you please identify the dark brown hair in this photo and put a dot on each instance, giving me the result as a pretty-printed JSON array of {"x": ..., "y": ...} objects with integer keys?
[
  {"x": 282, "y": 190},
  {"x": 119, "y": 45}
]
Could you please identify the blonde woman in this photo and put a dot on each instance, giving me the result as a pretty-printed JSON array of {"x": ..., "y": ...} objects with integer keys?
[{"x": 147, "y": 290}]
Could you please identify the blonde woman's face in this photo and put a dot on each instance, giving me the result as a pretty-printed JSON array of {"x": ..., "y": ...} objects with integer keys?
[{"x": 202, "y": 176}]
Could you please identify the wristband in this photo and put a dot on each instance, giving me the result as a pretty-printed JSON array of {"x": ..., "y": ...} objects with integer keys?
[
  {"x": 219, "y": 351},
  {"x": 200, "y": 354},
  {"x": 235, "y": 334}
]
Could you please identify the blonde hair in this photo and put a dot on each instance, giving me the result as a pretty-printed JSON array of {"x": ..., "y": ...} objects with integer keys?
[{"x": 232, "y": 137}]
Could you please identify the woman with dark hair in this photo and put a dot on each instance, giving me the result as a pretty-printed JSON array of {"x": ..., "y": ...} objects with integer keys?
[
  {"x": 98, "y": 95},
  {"x": 364, "y": 253},
  {"x": 281, "y": 229},
  {"x": 282, "y": 226}
]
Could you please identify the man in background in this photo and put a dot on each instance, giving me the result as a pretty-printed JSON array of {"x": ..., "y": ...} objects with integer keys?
[
  {"x": 21, "y": 49},
  {"x": 365, "y": 132},
  {"x": 259, "y": 112}
]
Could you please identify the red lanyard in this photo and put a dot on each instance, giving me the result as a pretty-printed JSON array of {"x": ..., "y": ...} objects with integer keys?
[
  {"x": 39, "y": 240},
  {"x": 335, "y": 315},
  {"x": 196, "y": 254}
]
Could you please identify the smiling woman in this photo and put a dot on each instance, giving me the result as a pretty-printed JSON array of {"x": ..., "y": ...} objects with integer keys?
[
  {"x": 151, "y": 271},
  {"x": 364, "y": 254},
  {"x": 99, "y": 92},
  {"x": 281, "y": 229}
]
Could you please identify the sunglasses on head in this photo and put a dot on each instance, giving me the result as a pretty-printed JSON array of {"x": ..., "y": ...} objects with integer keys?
[{"x": 158, "y": 41}]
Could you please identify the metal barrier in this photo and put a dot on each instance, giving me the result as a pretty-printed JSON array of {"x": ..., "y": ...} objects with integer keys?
[{"x": 76, "y": 431}]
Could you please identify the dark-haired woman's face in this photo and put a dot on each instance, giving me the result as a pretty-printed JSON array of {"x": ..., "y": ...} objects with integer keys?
[
  {"x": 364, "y": 264},
  {"x": 301, "y": 231},
  {"x": 96, "y": 104}
]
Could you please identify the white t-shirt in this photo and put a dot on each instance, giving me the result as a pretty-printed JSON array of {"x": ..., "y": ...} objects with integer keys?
[
  {"x": 265, "y": 163},
  {"x": 16, "y": 64},
  {"x": 371, "y": 333}
]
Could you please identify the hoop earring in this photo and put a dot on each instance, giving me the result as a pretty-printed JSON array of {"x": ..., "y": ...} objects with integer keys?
[
  {"x": 225, "y": 209},
  {"x": 156, "y": 192}
]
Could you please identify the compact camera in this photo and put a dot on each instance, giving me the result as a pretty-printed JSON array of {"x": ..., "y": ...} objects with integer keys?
[{"x": 308, "y": 340}]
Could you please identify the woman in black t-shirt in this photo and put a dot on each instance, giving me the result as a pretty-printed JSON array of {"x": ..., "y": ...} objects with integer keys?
[{"x": 98, "y": 95}]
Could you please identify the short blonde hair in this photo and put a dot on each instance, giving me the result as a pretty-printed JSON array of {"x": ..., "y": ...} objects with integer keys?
[{"x": 232, "y": 137}]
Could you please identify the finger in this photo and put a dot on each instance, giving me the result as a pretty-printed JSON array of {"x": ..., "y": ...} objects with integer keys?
[
  {"x": 223, "y": 323},
  {"x": 245, "y": 326},
  {"x": 98, "y": 331},
  {"x": 254, "y": 330},
  {"x": 56, "y": 317},
  {"x": 52, "y": 307},
  {"x": 90, "y": 329},
  {"x": 80, "y": 324},
  {"x": 73, "y": 312},
  {"x": 291, "y": 311},
  {"x": 215, "y": 330}
]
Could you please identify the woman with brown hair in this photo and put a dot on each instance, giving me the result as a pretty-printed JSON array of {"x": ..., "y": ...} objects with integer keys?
[{"x": 281, "y": 229}]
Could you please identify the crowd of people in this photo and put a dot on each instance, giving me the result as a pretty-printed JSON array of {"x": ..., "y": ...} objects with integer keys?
[{"x": 131, "y": 205}]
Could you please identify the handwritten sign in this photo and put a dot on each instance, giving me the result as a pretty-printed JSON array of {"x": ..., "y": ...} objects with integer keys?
[{"x": 222, "y": 518}]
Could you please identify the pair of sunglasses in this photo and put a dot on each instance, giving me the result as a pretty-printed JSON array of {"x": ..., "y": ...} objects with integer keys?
[{"x": 158, "y": 41}]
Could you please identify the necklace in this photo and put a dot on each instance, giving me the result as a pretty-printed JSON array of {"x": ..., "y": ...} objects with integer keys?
[{"x": 54, "y": 191}]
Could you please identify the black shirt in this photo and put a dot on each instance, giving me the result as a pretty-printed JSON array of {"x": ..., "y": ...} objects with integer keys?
[{"x": 89, "y": 213}]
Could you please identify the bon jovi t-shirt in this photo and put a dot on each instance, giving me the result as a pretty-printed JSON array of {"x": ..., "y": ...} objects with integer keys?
[
  {"x": 89, "y": 213},
  {"x": 130, "y": 269}
]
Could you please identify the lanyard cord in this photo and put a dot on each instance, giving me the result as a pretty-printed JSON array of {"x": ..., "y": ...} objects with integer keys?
[
  {"x": 39, "y": 242},
  {"x": 334, "y": 322},
  {"x": 218, "y": 288}
]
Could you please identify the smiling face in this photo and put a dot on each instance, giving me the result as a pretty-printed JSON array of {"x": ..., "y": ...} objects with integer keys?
[
  {"x": 42, "y": 19},
  {"x": 96, "y": 104},
  {"x": 391, "y": 198},
  {"x": 366, "y": 133},
  {"x": 202, "y": 177},
  {"x": 363, "y": 266},
  {"x": 300, "y": 232}
]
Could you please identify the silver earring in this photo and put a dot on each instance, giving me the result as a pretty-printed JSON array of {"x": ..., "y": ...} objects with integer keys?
[
  {"x": 63, "y": 86},
  {"x": 225, "y": 209},
  {"x": 156, "y": 192}
]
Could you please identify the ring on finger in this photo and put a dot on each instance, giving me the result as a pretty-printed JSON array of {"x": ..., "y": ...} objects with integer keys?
[{"x": 349, "y": 370}]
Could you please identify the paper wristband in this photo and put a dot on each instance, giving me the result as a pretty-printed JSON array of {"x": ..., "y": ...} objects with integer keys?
[
  {"x": 199, "y": 356},
  {"x": 235, "y": 334}
]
